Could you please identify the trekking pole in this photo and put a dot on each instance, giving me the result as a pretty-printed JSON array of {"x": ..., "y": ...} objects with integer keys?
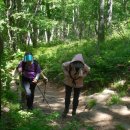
[
  {"x": 43, "y": 95},
  {"x": 45, "y": 89}
]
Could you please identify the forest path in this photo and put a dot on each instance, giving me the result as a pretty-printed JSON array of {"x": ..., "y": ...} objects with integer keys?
[{"x": 100, "y": 117}]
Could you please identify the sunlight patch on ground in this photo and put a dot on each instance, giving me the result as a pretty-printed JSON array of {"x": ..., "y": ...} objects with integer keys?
[
  {"x": 99, "y": 116},
  {"x": 126, "y": 99},
  {"x": 101, "y": 97},
  {"x": 123, "y": 110}
]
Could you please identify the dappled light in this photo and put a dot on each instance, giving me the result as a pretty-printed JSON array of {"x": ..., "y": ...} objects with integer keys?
[
  {"x": 101, "y": 116},
  {"x": 119, "y": 83},
  {"x": 123, "y": 110},
  {"x": 65, "y": 65}
]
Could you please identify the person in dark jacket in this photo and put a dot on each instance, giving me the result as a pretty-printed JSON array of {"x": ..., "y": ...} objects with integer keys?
[
  {"x": 30, "y": 71},
  {"x": 74, "y": 72}
]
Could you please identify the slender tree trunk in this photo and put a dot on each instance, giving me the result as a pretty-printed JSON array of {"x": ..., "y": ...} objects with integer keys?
[
  {"x": 96, "y": 16},
  {"x": 110, "y": 3},
  {"x": 68, "y": 30},
  {"x": 48, "y": 32},
  {"x": 125, "y": 5},
  {"x": 1, "y": 54},
  {"x": 35, "y": 35},
  {"x": 73, "y": 22},
  {"x": 35, "y": 27},
  {"x": 11, "y": 6},
  {"x": 18, "y": 5},
  {"x": 28, "y": 39},
  {"x": 101, "y": 34},
  {"x": 81, "y": 27},
  {"x": 19, "y": 22},
  {"x": 32, "y": 36},
  {"x": 63, "y": 20}
]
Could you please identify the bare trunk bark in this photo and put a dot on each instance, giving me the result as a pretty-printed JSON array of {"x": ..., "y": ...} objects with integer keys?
[
  {"x": 73, "y": 22},
  {"x": 1, "y": 54},
  {"x": 35, "y": 35},
  {"x": 101, "y": 35},
  {"x": 52, "y": 34},
  {"x": 48, "y": 32},
  {"x": 68, "y": 30},
  {"x": 81, "y": 28},
  {"x": 110, "y": 3},
  {"x": 32, "y": 39},
  {"x": 63, "y": 19},
  {"x": 124, "y": 3},
  {"x": 11, "y": 6}
]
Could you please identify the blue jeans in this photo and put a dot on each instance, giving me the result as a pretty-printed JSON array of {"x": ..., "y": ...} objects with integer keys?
[{"x": 29, "y": 88}]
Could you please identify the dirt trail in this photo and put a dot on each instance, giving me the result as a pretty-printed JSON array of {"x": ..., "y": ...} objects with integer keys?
[
  {"x": 55, "y": 97},
  {"x": 101, "y": 117}
]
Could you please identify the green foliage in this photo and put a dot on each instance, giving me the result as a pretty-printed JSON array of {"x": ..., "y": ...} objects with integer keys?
[
  {"x": 10, "y": 95},
  {"x": 120, "y": 127},
  {"x": 109, "y": 61},
  {"x": 23, "y": 120},
  {"x": 73, "y": 125},
  {"x": 91, "y": 103},
  {"x": 115, "y": 99},
  {"x": 90, "y": 128},
  {"x": 120, "y": 86}
]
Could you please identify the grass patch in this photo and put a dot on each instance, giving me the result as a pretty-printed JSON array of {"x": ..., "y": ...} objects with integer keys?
[
  {"x": 91, "y": 103},
  {"x": 115, "y": 99},
  {"x": 120, "y": 127}
]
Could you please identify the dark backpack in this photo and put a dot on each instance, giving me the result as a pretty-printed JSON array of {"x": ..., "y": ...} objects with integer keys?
[{"x": 35, "y": 65}]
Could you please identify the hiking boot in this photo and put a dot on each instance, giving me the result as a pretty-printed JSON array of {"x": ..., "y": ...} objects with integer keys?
[
  {"x": 30, "y": 108},
  {"x": 73, "y": 113},
  {"x": 64, "y": 114}
]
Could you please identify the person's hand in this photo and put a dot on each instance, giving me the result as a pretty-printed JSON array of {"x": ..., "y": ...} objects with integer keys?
[
  {"x": 80, "y": 73},
  {"x": 46, "y": 79},
  {"x": 34, "y": 81},
  {"x": 19, "y": 70}
]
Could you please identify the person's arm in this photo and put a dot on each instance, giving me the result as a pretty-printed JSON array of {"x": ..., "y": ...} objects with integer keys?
[
  {"x": 86, "y": 70},
  {"x": 37, "y": 76},
  {"x": 19, "y": 67},
  {"x": 65, "y": 67},
  {"x": 45, "y": 79},
  {"x": 38, "y": 71}
]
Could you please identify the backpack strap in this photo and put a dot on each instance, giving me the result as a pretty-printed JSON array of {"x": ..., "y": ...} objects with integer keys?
[
  {"x": 23, "y": 65},
  {"x": 35, "y": 65},
  {"x": 73, "y": 79}
]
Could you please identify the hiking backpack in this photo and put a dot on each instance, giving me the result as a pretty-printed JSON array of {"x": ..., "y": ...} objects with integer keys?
[{"x": 35, "y": 65}]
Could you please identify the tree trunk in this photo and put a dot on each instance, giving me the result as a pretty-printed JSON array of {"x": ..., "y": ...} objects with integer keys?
[
  {"x": 73, "y": 22},
  {"x": 35, "y": 27},
  {"x": 35, "y": 35},
  {"x": 1, "y": 53},
  {"x": 31, "y": 37},
  {"x": 101, "y": 34},
  {"x": 48, "y": 32},
  {"x": 109, "y": 18},
  {"x": 81, "y": 28},
  {"x": 64, "y": 30},
  {"x": 11, "y": 5},
  {"x": 75, "y": 26},
  {"x": 124, "y": 5},
  {"x": 18, "y": 5}
]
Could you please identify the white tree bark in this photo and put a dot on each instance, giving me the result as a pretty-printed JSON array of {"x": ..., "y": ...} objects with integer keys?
[
  {"x": 110, "y": 4},
  {"x": 101, "y": 34}
]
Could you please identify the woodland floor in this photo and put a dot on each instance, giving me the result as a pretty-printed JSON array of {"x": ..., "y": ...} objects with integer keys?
[{"x": 100, "y": 117}]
